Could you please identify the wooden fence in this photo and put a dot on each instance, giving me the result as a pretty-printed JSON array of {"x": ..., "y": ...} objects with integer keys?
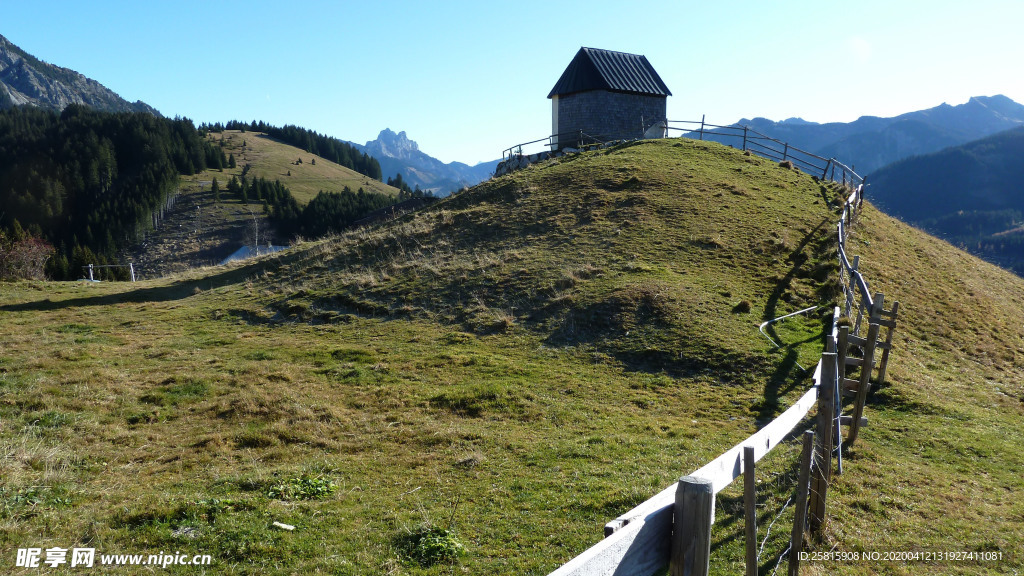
[
  {"x": 767, "y": 147},
  {"x": 673, "y": 528},
  {"x": 746, "y": 137}
]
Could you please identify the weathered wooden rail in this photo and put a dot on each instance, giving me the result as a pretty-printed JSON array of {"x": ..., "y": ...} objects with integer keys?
[{"x": 673, "y": 528}]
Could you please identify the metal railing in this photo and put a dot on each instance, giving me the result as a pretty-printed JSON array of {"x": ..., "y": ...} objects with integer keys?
[{"x": 578, "y": 138}]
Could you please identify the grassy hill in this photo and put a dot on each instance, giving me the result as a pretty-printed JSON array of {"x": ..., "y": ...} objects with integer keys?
[
  {"x": 519, "y": 363},
  {"x": 276, "y": 160},
  {"x": 200, "y": 231}
]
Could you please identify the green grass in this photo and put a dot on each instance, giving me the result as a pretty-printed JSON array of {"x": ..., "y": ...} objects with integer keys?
[
  {"x": 519, "y": 364},
  {"x": 203, "y": 230},
  {"x": 276, "y": 160}
]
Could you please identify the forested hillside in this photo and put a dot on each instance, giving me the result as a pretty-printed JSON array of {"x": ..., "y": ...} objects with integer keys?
[
  {"x": 92, "y": 183},
  {"x": 89, "y": 182},
  {"x": 968, "y": 195}
]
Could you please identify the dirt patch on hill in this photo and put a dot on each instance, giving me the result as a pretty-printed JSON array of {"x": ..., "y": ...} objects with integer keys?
[{"x": 198, "y": 232}]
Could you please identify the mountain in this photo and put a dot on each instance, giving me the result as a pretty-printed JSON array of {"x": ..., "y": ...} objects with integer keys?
[
  {"x": 969, "y": 195},
  {"x": 871, "y": 142},
  {"x": 398, "y": 154},
  {"x": 25, "y": 79},
  {"x": 515, "y": 366}
]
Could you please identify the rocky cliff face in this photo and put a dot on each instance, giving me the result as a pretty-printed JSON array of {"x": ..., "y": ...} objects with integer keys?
[
  {"x": 25, "y": 79},
  {"x": 393, "y": 145},
  {"x": 398, "y": 154}
]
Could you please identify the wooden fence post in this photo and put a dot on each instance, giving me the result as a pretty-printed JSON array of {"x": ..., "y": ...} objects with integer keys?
[
  {"x": 750, "y": 505},
  {"x": 875, "y": 316},
  {"x": 878, "y": 306},
  {"x": 826, "y": 421},
  {"x": 852, "y": 288},
  {"x": 744, "y": 138},
  {"x": 824, "y": 174},
  {"x": 864, "y": 385},
  {"x": 796, "y": 542},
  {"x": 691, "y": 538},
  {"x": 891, "y": 325},
  {"x": 842, "y": 348},
  {"x": 702, "y": 126}
]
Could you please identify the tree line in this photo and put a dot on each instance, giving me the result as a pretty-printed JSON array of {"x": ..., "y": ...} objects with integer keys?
[
  {"x": 327, "y": 213},
  {"x": 337, "y": 151},
  {"x": 77, "y": 186},
  {"x": 89, "y": 182}
]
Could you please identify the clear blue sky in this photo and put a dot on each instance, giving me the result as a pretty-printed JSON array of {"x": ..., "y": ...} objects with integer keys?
[{"x": 468, "y": 79}]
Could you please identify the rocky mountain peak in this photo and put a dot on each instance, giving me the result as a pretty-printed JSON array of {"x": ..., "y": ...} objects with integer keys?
[
  {"x": 26, "y": 80},
  {"x": 393, "y": 145}
]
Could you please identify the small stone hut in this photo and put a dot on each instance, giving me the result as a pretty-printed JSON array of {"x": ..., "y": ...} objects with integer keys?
[{"x": 607, "y": 95}]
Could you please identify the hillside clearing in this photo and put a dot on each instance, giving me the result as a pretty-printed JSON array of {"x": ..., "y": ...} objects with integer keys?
[
  {"x": 305, "y": 174},
  {"x": 201, "y": 230}
]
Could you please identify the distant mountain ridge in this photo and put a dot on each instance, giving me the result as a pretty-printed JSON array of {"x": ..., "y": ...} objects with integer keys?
[
  {"x": 26, "y": 80},
  {"x": 968, "y": 195},
  {"x": 871, "y": 142},
  {"x": 398, "y": 154}
]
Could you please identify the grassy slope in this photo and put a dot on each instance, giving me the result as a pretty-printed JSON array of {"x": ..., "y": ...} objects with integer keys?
[
  {"x": 939, "y": 466},
  {"x": 526, "y": 361},
  {"x": 274, "y": 160},
  {"x": 201, "y": 232}
]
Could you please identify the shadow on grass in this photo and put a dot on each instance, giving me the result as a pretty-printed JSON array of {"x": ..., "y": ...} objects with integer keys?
[
  {"x": 798, "y": 270},
  {"x": 783, "y": 380},
  {"x": 175, "y": 291},
  {"x": 777, "y": 490}
]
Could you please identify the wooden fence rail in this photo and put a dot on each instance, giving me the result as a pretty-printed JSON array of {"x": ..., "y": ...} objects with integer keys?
[
  {"x": 746, "y": 137},
  {"x": 673, "y": 528}
]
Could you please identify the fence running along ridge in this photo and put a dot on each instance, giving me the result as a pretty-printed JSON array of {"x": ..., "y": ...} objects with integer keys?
[
  {"x": 673, "y": 528},
  {"x": 767, "y": 147},
  {"x": 576, "y": 139},
  {"x": 748, "y": 139}
]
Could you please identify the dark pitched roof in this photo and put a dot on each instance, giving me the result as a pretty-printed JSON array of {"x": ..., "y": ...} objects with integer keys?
[{"x": 596, "y": 69}]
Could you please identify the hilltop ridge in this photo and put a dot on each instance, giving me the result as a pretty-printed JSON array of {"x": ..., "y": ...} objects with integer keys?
[{"x": 524, "y": 361}]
